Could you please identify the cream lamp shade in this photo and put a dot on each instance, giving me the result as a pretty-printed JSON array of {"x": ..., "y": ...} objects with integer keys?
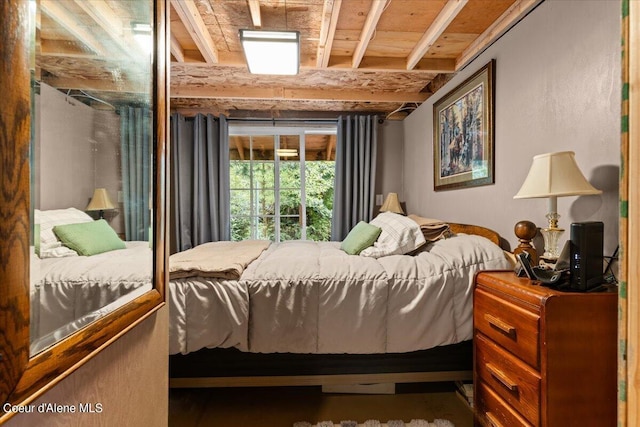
[
  {"x": 392, "y": 204},
  {"x": 100, "y": 201},
  {"x": 554, "y": 175},
  {"x": 271, "y": 52}
]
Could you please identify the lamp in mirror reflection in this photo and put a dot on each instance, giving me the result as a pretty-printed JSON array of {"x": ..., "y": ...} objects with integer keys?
[
  {"x": 554, "y": 175},
  {"x": 100, "y": 201},
  {"x": 392, "y": 204}
]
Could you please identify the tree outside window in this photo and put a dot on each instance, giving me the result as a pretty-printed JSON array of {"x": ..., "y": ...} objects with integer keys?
[{"x": 282, "y": 184}]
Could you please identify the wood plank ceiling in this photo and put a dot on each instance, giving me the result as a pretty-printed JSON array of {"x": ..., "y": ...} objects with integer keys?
[
  {"x": 378, "y": 56},
  {"x": 356, "y": 55}
]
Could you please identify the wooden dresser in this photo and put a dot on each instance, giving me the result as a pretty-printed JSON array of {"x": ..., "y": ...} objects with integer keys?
[{"x": 543, "y": 357}]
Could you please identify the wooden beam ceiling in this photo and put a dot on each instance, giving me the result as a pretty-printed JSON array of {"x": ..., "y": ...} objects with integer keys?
[
  {"x": 377, "y": 7},
  {"x": 56, "y": 11},
  {"x": 508, "y": 19},
  {"x": 254, "y": 9},
  {"x": 356, "y": 55},
  {"x": 435, "y": 30},
  {"x": 330, "y": 14},
  {"x": 176, "y": 49},
  {"x": 193, "y": 22},
  {"x": 104, "y": 17},
  {"x": 296, "y": 94},
  {"x": 438, "y": 49}
]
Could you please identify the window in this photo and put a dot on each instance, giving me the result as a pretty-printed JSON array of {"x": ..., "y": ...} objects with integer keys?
[{"x": 282, "y": 182}]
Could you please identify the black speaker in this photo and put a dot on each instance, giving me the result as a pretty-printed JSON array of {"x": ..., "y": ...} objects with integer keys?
[{"x": 586, "y": 263}]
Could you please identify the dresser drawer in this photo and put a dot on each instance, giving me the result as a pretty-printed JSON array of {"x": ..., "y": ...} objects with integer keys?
[
  {"x": 513, "y": 327},
  {"x": 512, "y": 379},
  {"x": 493, "y": 411}
]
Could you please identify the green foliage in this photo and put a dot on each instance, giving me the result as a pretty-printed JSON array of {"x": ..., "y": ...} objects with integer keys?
[
  {"x": 257, "y": 210},
  {"x": 319, "y": 187}
]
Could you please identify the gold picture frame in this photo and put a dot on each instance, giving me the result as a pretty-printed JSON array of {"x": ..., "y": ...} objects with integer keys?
[{"x": 463, "y": 138}]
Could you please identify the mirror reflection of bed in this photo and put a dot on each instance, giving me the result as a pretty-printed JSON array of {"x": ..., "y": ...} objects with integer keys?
[{"x": 91, "y": 251}]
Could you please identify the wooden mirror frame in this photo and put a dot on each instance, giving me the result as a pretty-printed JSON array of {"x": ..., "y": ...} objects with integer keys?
[
  {"x": 629, "y": 313},
  {"x": 23, "y": 379}
]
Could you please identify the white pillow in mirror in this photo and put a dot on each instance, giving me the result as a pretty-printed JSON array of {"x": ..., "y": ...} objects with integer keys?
[{"x": 50, "y": 246}]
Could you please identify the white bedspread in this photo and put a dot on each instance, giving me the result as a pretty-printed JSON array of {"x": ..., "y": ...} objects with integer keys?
[
  {"x": 63, "y": 290},
  {"x": 311, "y": 297}
]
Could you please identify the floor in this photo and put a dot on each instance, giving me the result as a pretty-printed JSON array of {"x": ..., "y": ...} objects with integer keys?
[{"x": 282, "y": 406}]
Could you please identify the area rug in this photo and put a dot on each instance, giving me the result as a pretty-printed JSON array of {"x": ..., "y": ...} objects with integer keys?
[{"x": 376, "y": 423}]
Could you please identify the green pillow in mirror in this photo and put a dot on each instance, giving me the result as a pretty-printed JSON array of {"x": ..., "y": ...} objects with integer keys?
[
  {"x": 89, "y": 238},
  {"x": 360, "y": 237}
]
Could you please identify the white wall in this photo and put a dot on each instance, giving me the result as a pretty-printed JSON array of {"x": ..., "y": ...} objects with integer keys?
[
  {"x": 66, "y": 151},
  {"x": 77, "y": 150},
  {"x": 390, "y": 155},
  {"x": 557, "y": 88}
]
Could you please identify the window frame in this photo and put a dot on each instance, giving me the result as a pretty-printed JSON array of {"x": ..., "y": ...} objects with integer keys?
[{"x": 278, "y": 131}]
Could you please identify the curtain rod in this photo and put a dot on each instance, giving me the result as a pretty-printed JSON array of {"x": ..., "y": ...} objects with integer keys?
[{"x": 265, "y": 120}]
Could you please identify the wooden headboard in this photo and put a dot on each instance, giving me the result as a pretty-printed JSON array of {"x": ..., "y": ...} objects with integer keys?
[{"x": 477, "y": 230}]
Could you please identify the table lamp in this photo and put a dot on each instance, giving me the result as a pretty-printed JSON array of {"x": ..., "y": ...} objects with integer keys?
[
  {"x": 100, "y": 202},
  {"x": 554, "y": 175},
  {"x": 392, "y": 204}
]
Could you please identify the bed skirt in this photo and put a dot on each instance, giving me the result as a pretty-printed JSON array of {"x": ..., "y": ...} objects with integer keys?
[{"x": 220, "y": 367}]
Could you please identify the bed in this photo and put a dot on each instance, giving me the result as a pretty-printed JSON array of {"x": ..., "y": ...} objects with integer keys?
[
  {"x": 304, "y": 312},
  {"x": 73, "y": 287}
]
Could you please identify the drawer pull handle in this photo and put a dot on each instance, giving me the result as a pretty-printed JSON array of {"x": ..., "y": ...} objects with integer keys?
[
  {"x": 498, "y": 324},
  {"x": 492, "y": 420},
  {"x": 502, "y": 378}
]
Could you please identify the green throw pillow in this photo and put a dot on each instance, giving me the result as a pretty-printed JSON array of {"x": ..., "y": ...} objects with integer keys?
[
  {"x": 360, "y": 237},
  {"x": 89, "y": 238}
]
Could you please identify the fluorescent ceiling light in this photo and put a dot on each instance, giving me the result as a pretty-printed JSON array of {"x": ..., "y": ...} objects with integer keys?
[
  {"x": 271, "y": 52},
  {"x": 286, "y": 152},
  {"x": 142, "y": 33}
]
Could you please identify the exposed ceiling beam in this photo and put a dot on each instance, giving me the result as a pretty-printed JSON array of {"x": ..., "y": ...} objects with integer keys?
[
  {"x": 372, "y": 63},
  {"x": 176, "y": 49},
  {"x": 377, "y": 7},
  {"x": 106, "y": 18},
  {"x": 330, "y": 148},
  {"x": 63, "y": 48},
  {"x": 442, "y": 21},
  {"x": 508, "y": 19},
  {"x": 95, "y": 85},
  {"x": 330, "y": 14},
  {"x": 340, "y": 63},
  {"x": 239, "y": 146},
  {"x": 296, "y": 94},
  {"x": 67, "y": 20},
  {"x": 254, "y": 9},
  {"x": 190, "y": 17}
]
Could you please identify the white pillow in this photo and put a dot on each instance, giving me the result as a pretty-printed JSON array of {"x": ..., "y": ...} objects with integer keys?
[
  {"x": 400, "y": 235},
  {"x": 50, "y": 246}
]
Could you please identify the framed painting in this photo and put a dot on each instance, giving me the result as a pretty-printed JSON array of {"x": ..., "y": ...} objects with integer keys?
[{"x": 463, "y": 140}]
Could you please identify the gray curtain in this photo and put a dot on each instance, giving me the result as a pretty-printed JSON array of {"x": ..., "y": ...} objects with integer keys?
[
  {"x": 135, "y": 139},
  {"x": 199, "y": 181},
  {"x": 354, "y": 196}
]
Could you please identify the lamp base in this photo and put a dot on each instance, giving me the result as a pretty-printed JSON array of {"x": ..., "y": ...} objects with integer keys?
[{"x": 551, "y": 237}]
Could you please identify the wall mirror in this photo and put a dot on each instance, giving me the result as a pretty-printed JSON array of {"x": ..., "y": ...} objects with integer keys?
[{"x": 89, "y": 258}]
